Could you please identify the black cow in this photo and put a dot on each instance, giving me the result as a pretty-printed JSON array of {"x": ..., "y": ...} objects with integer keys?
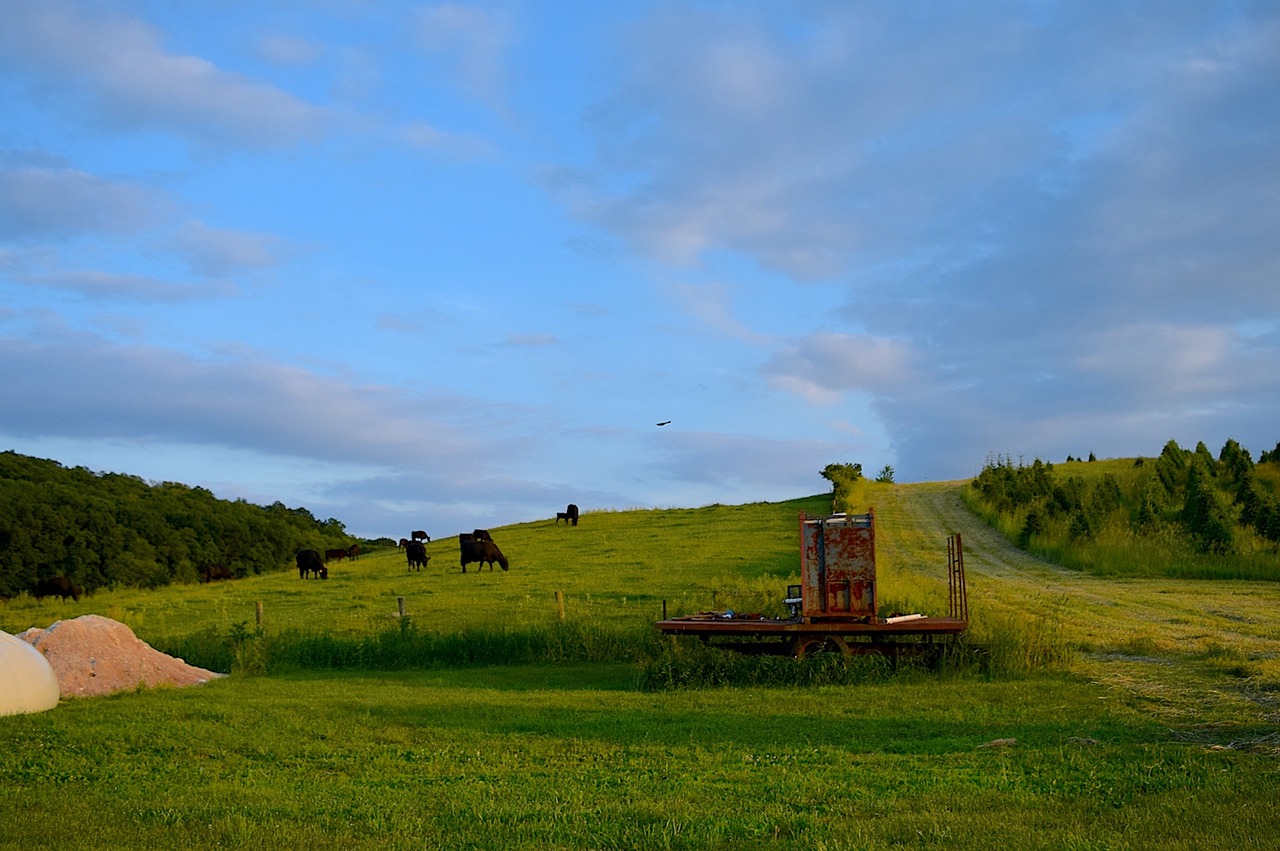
[
  {"x": 481, "y": 551},
  {"x": 353, "y": 551},
  {"x": 330, "y": 555},
  {"x": 569, "y": 515},
  {"x": 416, "y": 554},
  {"x": 420, "y": 535},
  {"x": 215, "y": 572},
  {"x": 481, "y": 535},
  {"x": 58, "y": 586},
  {"x": 309, "y": 561},
  {"x": 404, "y": 542}
]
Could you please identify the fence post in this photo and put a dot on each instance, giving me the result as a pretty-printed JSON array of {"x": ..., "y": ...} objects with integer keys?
[
  {"x": 664, "y": 610},
  {"x": 560, "y": 604},
  {"x": 257, "y": 611},
  {"x": 400, "y": 605}
]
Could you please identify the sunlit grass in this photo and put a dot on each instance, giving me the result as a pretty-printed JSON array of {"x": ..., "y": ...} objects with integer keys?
[
  {"x": 573, "y": 757},
  {"x": 1102, "y": 713}
]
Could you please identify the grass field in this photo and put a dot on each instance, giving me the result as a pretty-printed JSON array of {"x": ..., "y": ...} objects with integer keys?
[{"x": 1144, "y": 715}]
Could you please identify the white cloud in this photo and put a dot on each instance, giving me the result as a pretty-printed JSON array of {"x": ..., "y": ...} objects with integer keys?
[
  {"x": 473, "y": 43},
  {"x": 289, "y": 50},
  {"x": 135, "y": 83},
  {"x": 821, "y": 366},
  {"x": 80, "y": 386},
  {"x": 711, "y": 305},
  {"x": 110, "y": 286},
  {"x": 219, "y": 252},
  {"x": 44, "y": 199}
]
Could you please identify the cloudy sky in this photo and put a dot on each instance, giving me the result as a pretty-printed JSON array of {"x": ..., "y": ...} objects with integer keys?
[{"x": 439, "y": 266}]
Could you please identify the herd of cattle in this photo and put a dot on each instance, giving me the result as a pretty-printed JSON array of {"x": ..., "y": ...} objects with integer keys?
[{"x": 475, "y": 547}]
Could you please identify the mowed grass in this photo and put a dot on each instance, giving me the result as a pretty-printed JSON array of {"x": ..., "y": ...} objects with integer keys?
[
  {"x": 572, "y": 757},
  {"x": 1150, "y": 724}
]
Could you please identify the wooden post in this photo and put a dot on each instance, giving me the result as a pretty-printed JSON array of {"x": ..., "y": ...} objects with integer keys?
[
  {"x": 400, "y": 605},
  {"x": 560, "y": 604},
  {"x": 664, "y": 610},
  {"x": 257, "y": 611}
]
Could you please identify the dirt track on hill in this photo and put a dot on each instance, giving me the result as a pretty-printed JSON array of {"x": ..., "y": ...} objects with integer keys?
[{"x": 1188, "y": 650}]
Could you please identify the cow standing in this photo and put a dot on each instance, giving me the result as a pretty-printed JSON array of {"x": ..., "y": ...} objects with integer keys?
[
  {"x": 416, "y": 555},
  {"x": 481, "y": 551},
  {"x": 215, "y": 572},
  {"x": 57, "y": 586},
  {"x": 309, "y": 561},
  {"x": 419, "y": 535}
]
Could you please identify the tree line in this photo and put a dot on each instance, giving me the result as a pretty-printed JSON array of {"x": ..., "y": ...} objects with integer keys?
[
  {"x": 112, "y": 529},
  {"x": 1215, "y": 505}
]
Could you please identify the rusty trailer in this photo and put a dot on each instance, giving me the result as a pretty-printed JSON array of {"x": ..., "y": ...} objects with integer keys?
[{"x": 836, "y": 605}]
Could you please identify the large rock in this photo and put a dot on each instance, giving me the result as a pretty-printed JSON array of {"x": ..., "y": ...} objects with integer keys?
[
  {"x": 27, "y": 681},
  {"x": 92, "y": 655}
]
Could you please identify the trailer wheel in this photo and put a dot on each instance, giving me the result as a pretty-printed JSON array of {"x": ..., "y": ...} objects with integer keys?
[{"x": 810, "y": 646}]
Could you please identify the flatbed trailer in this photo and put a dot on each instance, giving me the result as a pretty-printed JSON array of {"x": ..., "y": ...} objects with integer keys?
[{"x": 834, "y": 608}]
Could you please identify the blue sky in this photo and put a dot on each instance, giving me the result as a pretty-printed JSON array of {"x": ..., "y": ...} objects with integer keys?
[{"x": 441, "y": 266}]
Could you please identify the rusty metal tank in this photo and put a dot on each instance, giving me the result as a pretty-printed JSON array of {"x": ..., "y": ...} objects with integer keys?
[{"x": 838, "y": 567}]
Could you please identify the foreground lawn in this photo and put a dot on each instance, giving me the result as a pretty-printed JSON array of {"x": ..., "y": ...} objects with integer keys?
[{"x": 576, "y": 757}]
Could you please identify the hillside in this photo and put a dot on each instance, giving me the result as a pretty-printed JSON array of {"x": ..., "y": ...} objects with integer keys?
[{"x": 1182, "y": 513}]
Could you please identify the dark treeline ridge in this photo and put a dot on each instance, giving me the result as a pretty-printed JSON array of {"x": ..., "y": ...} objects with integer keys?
[
  {"x": 111, "y": 529},
  {"x": 1181, "y": 505}
]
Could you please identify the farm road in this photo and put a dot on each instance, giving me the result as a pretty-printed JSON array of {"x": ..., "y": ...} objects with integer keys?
[{"x": 1189, "y": 650}]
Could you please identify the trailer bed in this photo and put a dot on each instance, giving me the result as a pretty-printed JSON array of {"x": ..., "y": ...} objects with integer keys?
[{"x": 801, "y": 637}]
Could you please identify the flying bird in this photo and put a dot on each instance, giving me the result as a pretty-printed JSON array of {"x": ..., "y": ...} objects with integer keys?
[{"x": 667, "y": 422}]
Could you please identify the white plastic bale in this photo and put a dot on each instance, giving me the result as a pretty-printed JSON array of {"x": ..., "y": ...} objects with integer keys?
[{"x": 27, "y": 680}]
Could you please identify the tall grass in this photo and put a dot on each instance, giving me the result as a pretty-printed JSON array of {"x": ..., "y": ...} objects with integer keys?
[{"x": 405, "y": 646}]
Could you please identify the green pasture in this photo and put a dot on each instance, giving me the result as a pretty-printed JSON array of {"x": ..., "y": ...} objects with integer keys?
[
  {"x": 614, "y": 569},
  {"x": 1127, "y": 713}
]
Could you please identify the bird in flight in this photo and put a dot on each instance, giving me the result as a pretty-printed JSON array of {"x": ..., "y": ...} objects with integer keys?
[{"x": 666, "y": 422}]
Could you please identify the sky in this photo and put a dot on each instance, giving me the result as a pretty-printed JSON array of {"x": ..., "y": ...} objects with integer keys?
[{"x": 445, "y": 266}]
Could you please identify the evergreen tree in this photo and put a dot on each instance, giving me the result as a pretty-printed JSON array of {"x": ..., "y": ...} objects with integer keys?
[{"x": 1203, "y": 515}]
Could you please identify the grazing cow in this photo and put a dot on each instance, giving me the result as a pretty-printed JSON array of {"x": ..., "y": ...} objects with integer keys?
[
  {"x": 416, "y": 554},
  {"x": 420, "y": 535},
  {"x": 404, "y": 542},
  {"x": 572, "y": 511},
  {"x": 481, "y": 551},
  {"x": 309, "y": 561},
  {"x": 58, "y": 586},
  {"x": 330, "y": 555},
  {"x": 353, "y": 551},
  {"x": 215, "y": 572},
  {"x": 481, "y": 535}
]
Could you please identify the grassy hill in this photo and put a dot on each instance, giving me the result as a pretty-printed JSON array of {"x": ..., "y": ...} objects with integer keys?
[{"x": 1138, "y": 701}]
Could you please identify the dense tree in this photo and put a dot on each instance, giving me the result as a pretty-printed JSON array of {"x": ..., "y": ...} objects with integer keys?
[
  {"x": 1204, "y": 500},
  {"x": 114, "y": 529}
]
